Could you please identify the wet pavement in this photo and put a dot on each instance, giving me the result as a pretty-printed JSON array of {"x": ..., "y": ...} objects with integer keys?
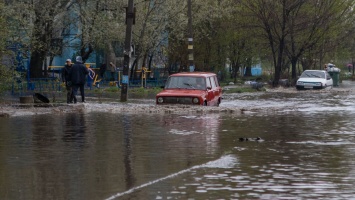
[{"x": 102, "y": 152}]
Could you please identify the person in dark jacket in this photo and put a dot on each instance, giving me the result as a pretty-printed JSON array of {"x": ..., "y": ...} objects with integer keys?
[
  {"x": 102, "y": 70},
  {"x": 77, "y": 77},
  {"x": 66, "y": 79}
]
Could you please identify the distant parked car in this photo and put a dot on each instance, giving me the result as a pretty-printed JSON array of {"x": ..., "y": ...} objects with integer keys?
[
  {"x": 314, "y": 79},
  {"x": 193, "y": 88}
]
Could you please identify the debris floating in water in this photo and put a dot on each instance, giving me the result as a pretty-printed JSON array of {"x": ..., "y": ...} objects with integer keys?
[{"x": 249, "y": 139}]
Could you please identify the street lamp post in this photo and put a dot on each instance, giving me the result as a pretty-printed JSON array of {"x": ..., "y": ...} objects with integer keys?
[
  {"x": 127, "y": 50},
  {"x": 190, "y": 37}
]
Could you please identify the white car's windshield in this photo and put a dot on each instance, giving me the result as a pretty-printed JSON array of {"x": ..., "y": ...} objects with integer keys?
[
  {"x": 313, "y": 74},
  {"x": 186, "y": 82}
]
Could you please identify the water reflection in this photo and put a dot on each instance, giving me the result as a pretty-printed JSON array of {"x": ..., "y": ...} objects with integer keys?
[
  {"x": 195, "y": 130},
  {"x": 127, "y": 131},
  {"x": 74, "y": 129}
]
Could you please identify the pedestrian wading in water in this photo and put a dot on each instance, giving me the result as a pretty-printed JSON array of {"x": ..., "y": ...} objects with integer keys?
[
  {"x": 78, "y": 77},
  {"x": 66, "y": 80}
]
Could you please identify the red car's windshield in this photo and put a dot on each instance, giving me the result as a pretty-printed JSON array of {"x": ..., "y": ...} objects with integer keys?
[{"x": 186, "y": 82}]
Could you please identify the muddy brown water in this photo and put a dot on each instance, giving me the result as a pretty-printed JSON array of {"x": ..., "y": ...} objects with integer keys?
[{"x": 305, "y": 153}]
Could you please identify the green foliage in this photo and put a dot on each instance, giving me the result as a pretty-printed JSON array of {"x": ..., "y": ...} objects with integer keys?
[
  {"x": 112, "y": 89},
  {"x": 6, "y": 75},
  {"x": 6, "y": 78},
  {"x": 345, "y": 75},
  {"x": 144, "y": 91},
  {"x": 3, "y": 30}
]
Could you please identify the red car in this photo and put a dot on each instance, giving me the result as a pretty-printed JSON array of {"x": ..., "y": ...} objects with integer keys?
[{"x": 194, "y": 88}]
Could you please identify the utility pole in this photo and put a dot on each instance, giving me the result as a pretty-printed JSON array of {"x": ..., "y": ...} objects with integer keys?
[
  {"x": 190, "y": 39},
  {"x": 127, "y": 50}
]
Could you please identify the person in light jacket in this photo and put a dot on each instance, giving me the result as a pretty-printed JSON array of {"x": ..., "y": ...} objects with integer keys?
[{"x": 113, "y": 71}]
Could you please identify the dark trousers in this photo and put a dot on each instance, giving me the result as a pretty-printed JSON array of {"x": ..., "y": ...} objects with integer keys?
[
  {"x": 113, "y": 76},
  {"x": 102, "y": 73},
  {"x": 75, "y": 91},
  {"x": 70, "y": 95}
]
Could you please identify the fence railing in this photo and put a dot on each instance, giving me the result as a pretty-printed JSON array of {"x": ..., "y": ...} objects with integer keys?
[
  {"x": 53, "y": 84},
  {"x": 20, "y": 86}
]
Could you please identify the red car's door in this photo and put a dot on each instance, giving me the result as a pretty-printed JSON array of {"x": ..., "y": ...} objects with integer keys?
[
  {"x": 215, "y": 90},
  {"x": 210, "y": 92},
  {"x": 218, "y": 92}
]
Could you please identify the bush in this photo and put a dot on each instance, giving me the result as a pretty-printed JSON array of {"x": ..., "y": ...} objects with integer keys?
[
  {"x": 112, "y": 89},
  {"x": 144, "y": 92},
  {"x": 6, "y": 78}
]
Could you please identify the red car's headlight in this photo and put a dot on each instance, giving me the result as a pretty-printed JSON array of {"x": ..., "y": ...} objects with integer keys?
[
  {"x": 160, "y": 99},
  {"x": 195, "y": 100}
]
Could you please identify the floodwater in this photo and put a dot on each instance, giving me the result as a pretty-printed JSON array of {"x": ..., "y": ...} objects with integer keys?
[{"x": 305, "y": 152}]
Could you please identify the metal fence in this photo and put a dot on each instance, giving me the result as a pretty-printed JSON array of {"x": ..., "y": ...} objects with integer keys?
[{"x": 23, "y": 86}]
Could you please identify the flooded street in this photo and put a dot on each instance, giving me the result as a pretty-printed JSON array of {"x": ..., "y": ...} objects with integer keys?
[{"x": 305, "y": 152}]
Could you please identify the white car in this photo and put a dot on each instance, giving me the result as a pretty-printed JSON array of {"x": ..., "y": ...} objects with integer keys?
[{"x": 314, "y": 79}]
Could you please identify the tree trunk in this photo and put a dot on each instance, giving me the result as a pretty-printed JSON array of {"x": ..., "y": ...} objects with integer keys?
[
  {"x": 248, "y": 68},
  {"x": 278, "y": 66},
  {"x": 150, "y": 62},
  {"x": 235, "y": 70},
  {"x": 85, "y": 53},
  {"x": 36, "y": 63},
  {"x": 144, "y": 60},
  {"x": 150, "y": 65},
  {"x": 41, "y": 38},
  {"x": 294, "y": 70},
  {"x": 111, "y": 56},
  {"x": 248, "y": 71},
  {"x": 133, "y": 67}
]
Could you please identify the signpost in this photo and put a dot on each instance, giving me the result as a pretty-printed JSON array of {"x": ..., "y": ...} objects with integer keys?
[
  {"x": 127, "y": 50},
  {"x": 190, "y": 46}
]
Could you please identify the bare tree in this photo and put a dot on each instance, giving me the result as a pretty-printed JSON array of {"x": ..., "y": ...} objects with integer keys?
[
  {"x": 101, "y": 23},
  {"x": 313, "y": 24},
  {"x": 294, "y": 27},
  {"x": 43, "y": 15},
  {"x": 154, "y": 23}
]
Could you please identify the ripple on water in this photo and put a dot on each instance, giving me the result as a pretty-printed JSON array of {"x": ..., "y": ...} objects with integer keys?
[
  {"x": 327, "y": 143},
  {"x": 182, "y": 132}
]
